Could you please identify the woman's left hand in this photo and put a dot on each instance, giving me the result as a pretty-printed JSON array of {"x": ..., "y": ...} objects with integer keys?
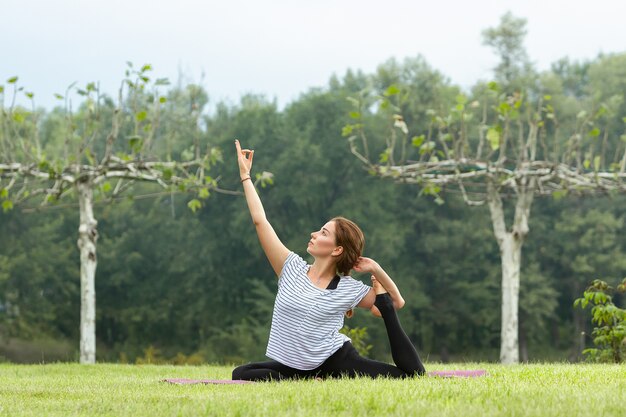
[{"x": 367, "y": 265}]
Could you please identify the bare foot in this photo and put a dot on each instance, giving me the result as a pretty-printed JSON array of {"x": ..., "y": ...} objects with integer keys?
[{"x": 378, "y": 287}]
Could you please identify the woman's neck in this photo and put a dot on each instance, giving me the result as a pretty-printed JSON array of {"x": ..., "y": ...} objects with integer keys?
[{"x": 323, "y": 270}]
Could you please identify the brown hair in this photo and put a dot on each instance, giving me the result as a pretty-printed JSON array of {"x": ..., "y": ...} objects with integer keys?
[{"x": 350, "y": 237}]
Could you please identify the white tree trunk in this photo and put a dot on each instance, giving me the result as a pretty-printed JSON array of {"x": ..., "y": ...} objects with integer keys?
[
  {"x": 510, "y": 253},
  {"x": 87, "y": 237},
  {"x": 510, "y": 244}
]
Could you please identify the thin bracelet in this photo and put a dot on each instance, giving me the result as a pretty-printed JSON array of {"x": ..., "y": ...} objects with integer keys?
[{"x": 247, "y": 178}]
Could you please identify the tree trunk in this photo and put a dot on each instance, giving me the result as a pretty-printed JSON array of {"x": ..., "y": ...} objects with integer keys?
[
  {"x": 523, "y": 340},
  {"x": 510, "y": 253},
  {"x": 87, "y": 237},
  {"x": 510, "y": 244}
]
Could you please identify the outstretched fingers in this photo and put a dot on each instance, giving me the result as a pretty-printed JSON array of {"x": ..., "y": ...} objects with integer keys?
[
  {"x": 238, "y": 147},
  {"x": 246, "y": 155}
]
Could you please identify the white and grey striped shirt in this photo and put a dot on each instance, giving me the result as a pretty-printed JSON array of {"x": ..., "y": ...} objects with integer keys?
[{"x": 307, "y": 319}]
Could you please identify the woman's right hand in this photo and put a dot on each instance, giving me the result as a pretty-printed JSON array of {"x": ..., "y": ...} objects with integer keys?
[
  {"x": 366, "y": 265},
  {"x": 244, "y": 157}
]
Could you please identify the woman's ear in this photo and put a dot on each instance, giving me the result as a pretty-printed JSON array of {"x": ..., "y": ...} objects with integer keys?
[{"x": 337, "y": 251}]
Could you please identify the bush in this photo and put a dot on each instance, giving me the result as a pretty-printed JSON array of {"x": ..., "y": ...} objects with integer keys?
[
  {"x": 610, "y": 336},
  {"x": 359, "y": 338}
]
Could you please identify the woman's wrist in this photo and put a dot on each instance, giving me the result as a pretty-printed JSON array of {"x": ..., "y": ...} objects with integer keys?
[{"x": 244, "y": 176}]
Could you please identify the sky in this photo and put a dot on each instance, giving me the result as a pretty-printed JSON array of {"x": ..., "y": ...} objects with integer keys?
[{"x": 281, "y": 48}]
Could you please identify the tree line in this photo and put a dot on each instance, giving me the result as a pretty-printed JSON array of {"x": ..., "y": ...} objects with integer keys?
[{"x": 198, "y": 283}]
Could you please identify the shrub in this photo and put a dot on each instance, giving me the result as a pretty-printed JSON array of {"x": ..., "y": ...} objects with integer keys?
[
  {"x": 359, "y": 338},
  {"x": 610, "y": 335}
]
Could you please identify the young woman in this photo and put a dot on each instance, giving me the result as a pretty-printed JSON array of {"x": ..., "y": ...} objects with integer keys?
[{"x": 312, "y": 299}]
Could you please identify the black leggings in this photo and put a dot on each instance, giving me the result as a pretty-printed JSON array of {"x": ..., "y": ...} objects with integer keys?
[{"x": 346, "y": 361}]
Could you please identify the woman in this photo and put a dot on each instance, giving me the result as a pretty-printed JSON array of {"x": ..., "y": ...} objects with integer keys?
[{"x": 311, "y": 300}]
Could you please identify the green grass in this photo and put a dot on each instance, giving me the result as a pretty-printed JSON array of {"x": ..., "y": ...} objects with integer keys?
[{"x": 135, "y": 390}]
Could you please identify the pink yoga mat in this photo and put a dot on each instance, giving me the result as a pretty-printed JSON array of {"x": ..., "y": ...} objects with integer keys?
[
  {"x": 445, "y": 374},
  {"x": 459, "y": 374},
  {"x": 184, "y": 381}
]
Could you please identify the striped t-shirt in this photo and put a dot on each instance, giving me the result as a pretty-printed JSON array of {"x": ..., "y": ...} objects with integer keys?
[{"x": 307, "y": 319}]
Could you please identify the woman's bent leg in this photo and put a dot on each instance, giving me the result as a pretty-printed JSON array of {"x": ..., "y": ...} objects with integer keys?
[
  {"x": 402, "y": 350},
  {"x": 267, "y": 371},
  {"x": 347, "y": 362}
]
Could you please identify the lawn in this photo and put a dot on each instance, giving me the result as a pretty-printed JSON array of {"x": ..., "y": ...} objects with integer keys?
[{"x": 136, "y": 390}]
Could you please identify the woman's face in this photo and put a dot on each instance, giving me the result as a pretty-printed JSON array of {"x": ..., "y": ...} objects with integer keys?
[{"x": 323, "y": 241}]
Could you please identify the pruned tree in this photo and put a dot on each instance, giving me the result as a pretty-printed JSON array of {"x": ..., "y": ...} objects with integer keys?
[
  {"x": 501, "y": 145},
  {"x": 106, "y": 149},
  {"x": 515, "y": 158}
]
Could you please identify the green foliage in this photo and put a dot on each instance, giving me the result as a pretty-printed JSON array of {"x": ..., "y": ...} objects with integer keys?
[
  {"x": 37, "y": 348},
  {"x": 359, "y": 338},
  {"x": 538, "y": 304},
  {"x": 507, "y": 39},
  {"x": 39, "y": 283},
  {"x": 493, "y": 136},
  {"x": 7, "y": 205},
  {"x": 610, "y": 333},
  {"x": 201, "y": 285},
  {"x": 153, "y": 356},
  {"x": 194, "y": 205}
]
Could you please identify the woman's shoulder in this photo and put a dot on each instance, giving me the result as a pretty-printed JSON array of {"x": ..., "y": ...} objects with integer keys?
[
  {"x": 294, "y": 262},
  {"x": 350, "y": 282},
  {"x": 347, "y": 277},
  {"x": 294, "y": 258}
]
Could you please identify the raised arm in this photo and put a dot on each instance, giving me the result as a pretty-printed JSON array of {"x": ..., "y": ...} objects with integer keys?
[{"x": 274, "y": 249}]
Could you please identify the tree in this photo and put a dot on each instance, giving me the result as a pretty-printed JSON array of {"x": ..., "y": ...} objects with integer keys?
[
  {"x": 508, "y": 41},
  {"x": 91, "y": 162},
  {"x": 500, "y": 144}
]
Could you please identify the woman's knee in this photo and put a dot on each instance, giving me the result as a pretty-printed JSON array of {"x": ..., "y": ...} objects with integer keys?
[{"x": 241, "y": 372}]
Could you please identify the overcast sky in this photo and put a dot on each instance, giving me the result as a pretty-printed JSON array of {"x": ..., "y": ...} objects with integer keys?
[{"x": 281, "y": 48}]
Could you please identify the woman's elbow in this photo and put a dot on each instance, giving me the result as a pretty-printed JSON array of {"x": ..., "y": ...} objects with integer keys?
[{"x": 259, "y": 220}]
